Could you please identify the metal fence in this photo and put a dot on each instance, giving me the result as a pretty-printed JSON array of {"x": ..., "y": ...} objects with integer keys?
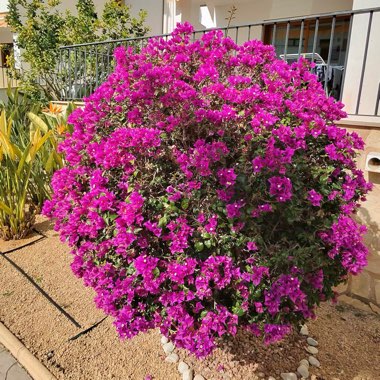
[{"x": 323, "y": 39}]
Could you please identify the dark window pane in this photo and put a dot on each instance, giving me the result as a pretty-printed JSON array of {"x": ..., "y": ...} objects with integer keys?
[{"x": 339, "y": 47}]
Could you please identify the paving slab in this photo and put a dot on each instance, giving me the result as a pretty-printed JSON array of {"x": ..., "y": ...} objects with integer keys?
[{"x": 9, "y": 368}]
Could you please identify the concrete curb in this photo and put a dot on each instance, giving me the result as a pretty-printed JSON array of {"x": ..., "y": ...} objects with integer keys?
[{"x": 35, "y": 368}]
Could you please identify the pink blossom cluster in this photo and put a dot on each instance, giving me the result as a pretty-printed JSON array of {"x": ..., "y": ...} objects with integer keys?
[{"x": 208, "y": 188}]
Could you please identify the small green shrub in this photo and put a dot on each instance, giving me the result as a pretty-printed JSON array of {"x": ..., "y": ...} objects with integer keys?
[
  {"x": 42, "y": 28},
  {"x": 18, "y": 170},
  {"x": 29, "y": 138}
]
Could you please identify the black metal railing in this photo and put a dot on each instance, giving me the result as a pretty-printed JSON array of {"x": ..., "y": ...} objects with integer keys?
[{"x": 322, "y": 38}]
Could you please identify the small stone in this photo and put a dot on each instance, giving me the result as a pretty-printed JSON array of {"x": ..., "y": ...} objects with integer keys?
[
  {"x": 313, "y": 377},
  {"x": 289, "y": 376},
  {"x": 182, "y": 367},
  {"x": 312, "y": 350},
  {"x": 314, "y": 361},
  {"x": 303, "y": 371},
  {"x": 164, "y": 340},
  {"x": 261, "y": 375},
  {"x": 188, "y": 375},
  {"x": 199, "y": 377},
  {"x": 304, "y": 330},
  {"x": 271, "y": 378},
  {"x": 304, "y": 362},
  {"x": 312, "y": 342},
  {"x": 172, "y": 358},
  {"x": 50, "y": 354},
  {"x": 168, "y": 348}
]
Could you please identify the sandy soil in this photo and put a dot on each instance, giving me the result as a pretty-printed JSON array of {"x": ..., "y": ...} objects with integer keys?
[
  {"x": 246, "y": 357},
  {"x": 45, "y": 331},
  {"x": 348, "y": 350},
  {"x": 349, "y": 342},
  {"x": 348, "y": 338}
]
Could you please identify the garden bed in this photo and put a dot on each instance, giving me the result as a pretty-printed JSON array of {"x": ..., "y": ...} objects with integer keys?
[{"x": 348, "y": 338}]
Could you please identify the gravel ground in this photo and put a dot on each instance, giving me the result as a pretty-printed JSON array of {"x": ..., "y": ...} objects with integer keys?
[
  {"x": 348, "y": 338},
  {"x": 45, "y": 331},
  {"x": 246, "y": 357},
  {"x": 349, "y": 342}
]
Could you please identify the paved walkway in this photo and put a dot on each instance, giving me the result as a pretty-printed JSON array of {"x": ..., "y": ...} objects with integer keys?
[{"x": 9, "y": 368}]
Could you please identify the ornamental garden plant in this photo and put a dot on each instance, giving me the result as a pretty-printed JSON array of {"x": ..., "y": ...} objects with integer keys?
[
  {"x": 29, "y": 136},
  {"x": 208, "y": 189}
]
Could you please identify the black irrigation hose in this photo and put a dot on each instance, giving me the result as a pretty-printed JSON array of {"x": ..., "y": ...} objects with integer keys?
[
  {"x": 39, "y": 233},
  {"x": 25, "y": 245},
  {"x": 67, "y": 315},
  {"x": 87, "y": 330}
]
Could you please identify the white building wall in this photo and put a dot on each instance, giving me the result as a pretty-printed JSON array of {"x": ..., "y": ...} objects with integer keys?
[
  {"x": 356, "y": 61},
  {"x": 250, "y": 11},
  {"x": 155, "y": 9},
  {"x": 3, "y": 5}
]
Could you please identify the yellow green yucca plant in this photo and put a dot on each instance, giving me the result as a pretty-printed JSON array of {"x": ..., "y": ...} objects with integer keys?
[
  {"x": 53, "y": 119},
  {"x": 20, "y": 178}
]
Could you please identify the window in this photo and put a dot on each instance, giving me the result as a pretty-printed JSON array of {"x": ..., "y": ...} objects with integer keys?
[{"x": 331, "y": 77}]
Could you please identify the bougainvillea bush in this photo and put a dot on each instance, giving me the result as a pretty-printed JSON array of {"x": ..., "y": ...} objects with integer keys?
[{"x": 207, "y": 189}]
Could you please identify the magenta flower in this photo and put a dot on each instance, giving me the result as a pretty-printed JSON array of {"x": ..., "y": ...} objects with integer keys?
[
  {"x": 186, "y": 194},
  {"x": 280, "y": 188},
  {"x": 251, "y": 246},
  {"x": 227, "y": 177},
  {"x": 314, "y": 198}
]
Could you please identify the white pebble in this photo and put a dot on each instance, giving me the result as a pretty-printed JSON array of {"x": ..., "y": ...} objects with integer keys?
[
  {"x": 304, "y": 362},
  {"x": 303, "y": 371},
  {"x": 312, "y": 342},
  {"x": 188, "y": 375},
  {"x": 182, "y": 367},
  {"x": 168, "y": 348},
  {"x": 164, "y": 339},
  {"x": 289, "y": 376},
  {"x": 312, "y": 350},
  {"x": 304, "y": 330},
  {"x": 314, "y": 361},
  {"x": 172, "y": 358}
]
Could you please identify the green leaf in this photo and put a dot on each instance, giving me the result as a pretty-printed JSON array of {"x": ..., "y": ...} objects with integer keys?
[
  {"x": 5, "y": 208},
  {"x": 199, "y": 246},
  {"x": 163, "y": 221},
  {"x": 238, "y": 310},
  {"x": 208, "y": 243},
  {"x": 185, "y": 203},
  {"x": 203, "y": 314},
  {"x": 38, "y": 122}
]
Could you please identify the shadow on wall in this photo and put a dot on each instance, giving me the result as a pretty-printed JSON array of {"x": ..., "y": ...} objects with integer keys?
[
  {"x": 374, "y": 178},
  {"x": 372, "y": 237}
]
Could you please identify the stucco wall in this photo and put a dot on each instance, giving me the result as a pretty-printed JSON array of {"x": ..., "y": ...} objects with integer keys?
[
  {"x": 366, "y": 286},
  {"x": 3, "y": 5},
  {"x": 155, "y": 12}
]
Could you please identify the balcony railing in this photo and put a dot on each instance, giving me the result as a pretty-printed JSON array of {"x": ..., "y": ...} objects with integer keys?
[{"x": 325, "y": 39}]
